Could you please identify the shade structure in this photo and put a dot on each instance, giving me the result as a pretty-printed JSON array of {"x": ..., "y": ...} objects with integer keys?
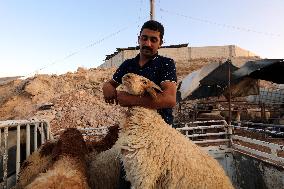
[
  {"x": 214, "y": 82},
  {"x": 192, "y": 81},
  {"x": 265, "y": 69}
]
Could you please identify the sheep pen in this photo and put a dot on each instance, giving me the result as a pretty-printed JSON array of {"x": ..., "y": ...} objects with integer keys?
[{"x": 155, "y": 155}]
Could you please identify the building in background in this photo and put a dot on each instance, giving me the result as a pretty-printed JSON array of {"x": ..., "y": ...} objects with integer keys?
[{"x": 180, "y": 53}]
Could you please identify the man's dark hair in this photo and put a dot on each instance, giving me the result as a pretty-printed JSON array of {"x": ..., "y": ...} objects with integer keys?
[{"x": 155, "y": 26}]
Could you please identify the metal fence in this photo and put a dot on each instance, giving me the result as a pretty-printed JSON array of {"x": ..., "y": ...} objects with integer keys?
[
  {"x": 12, "y": 132},
  {"x": 216, "y": 131},
  {"x": 201, "y": 131},
  {"x": 256, "y": 147}
]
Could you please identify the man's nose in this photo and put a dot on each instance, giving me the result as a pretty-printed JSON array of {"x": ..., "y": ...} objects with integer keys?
[{"x": 148, "y": 42}]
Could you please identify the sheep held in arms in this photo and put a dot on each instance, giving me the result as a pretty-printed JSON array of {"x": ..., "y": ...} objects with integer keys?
[{"x": 155, "y": 155}]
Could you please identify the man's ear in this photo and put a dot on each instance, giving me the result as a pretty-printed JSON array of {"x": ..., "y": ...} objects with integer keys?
[
  {"x": 152, "y": 90},
  {"x": 138, "y": 39},
  {"x": 161, "y": 42},
  {"x": 152, "y": 93}
]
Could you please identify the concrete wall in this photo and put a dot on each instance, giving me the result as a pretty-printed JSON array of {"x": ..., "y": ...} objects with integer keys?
[
  {"x": 184, "y": 54},
  {"x": 268, "y": 96},
  {"x": 210, "y": 52},
  {"x": 251, "y": 173},
  {"x": 178, "y": 54},
  {"x": 130, "y": 54},
  {"x": 114, "y": 61},
  {"x": 242, "y": 52},
  {"x": 247, "y": 172}
]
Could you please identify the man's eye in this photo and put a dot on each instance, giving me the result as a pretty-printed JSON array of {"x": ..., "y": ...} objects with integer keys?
[
  {"x": 153, "y": 39},
  {"x": 144, "y": 38}
]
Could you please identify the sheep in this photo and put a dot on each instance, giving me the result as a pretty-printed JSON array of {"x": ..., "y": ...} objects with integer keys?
[
  {"x": 104, "y": 161},
  {"x": 37, "y": 162},
  {"x": 210, "y": 116},
  {"x": 107, "y": 142},
  {"x": 104, "y": 168},
  {"x": 69, "y": 168},
  {"x": 156, "y": 155},
  {"x": 41, "y": 160}
]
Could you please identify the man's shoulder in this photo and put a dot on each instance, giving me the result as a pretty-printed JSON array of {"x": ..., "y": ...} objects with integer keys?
[
  {"x": 127, "y": 62},
  {"x": 130, "y": 60},
  {"x": 164, "y": 58}
]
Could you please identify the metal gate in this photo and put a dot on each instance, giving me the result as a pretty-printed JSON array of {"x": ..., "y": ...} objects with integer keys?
[{"x": 14, "y": 133}]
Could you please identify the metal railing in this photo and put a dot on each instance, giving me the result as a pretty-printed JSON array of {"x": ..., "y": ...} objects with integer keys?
[
  {"x": 273, "y": 149},
  {"x": 14, "y": 127},
  {"x": 197, "y": 129},
  {"x": 273, "y": 155},
  {"x": 270, "y": 129},
  {"x": 198, "y": 132}
]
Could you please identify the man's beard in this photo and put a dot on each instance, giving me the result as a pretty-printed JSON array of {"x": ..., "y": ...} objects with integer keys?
[{"x": 147, "y": 51}]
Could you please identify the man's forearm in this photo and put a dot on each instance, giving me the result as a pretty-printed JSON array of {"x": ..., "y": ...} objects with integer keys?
[
  {"x": 149, "y": 102},
  {"x": 165, "y": 99}
]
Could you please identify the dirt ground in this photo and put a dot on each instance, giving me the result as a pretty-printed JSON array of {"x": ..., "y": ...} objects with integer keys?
[{"x": 68, "y": 100}]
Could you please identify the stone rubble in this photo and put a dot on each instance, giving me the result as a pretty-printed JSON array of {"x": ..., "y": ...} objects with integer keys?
[{"x": 74, "y": 99}]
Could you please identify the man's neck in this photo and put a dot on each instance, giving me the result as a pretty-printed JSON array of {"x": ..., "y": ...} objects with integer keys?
[{"x": 144, "y": 59}]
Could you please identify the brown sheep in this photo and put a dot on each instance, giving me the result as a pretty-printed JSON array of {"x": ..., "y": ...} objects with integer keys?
[
  {"x": 69, "y": 168},
  {"x": 37, "y": 162}
]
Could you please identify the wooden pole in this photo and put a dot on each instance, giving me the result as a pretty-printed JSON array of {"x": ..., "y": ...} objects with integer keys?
[
  {"x": 152, "y": 9},
  {"x": 229, "y": 88}
]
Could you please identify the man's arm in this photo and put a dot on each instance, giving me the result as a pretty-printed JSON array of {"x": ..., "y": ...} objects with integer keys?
[
  {"x": 166, "y": 99},
  {"x": 109, "y": 91}
]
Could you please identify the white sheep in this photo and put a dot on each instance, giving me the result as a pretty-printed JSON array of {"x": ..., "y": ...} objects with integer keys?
[
  {"x": 104, "y": 162},
  {"x": 155, "y": 155},
  {"x": 104, "y": 168}
]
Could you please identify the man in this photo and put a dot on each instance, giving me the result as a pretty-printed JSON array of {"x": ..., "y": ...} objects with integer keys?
[{"x": 149, "y": 64}]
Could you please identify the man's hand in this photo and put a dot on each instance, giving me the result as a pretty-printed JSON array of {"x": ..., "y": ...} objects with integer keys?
[
  {"x": 109, "y": 92},
  {"x": 166, "y": 99}
]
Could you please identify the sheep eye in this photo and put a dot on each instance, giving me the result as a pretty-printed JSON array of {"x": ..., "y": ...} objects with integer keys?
[{"x": 145, "y": 82}]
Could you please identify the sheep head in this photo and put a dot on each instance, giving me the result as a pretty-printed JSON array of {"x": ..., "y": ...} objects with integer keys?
[{"x": 137, "y": 85}]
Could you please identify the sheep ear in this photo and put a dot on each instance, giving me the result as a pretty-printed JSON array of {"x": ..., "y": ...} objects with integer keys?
[{"x": 151, "y": 90}]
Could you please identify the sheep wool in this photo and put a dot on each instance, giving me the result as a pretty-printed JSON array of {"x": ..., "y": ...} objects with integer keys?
[
  {"x": 155, "y": 155},
  {"x": 38, "y": 162},
  {"x": 104, "y": 169},
  {"x": 64, "y": 174},
  {"x": 69, "y": 168}
]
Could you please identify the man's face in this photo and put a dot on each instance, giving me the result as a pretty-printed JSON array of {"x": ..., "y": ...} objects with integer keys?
[{"x": 149, "y": 42}]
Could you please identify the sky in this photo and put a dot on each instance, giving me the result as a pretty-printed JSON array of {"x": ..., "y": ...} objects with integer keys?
[{"x": 57, "y": 36}]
